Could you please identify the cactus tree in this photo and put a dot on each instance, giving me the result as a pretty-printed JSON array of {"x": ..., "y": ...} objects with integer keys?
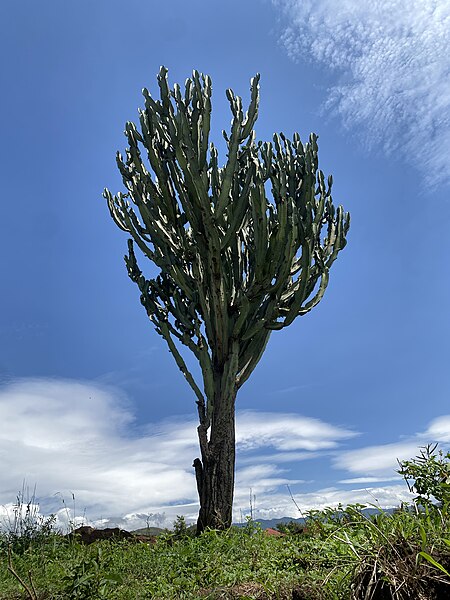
[{"x": 234, "y": 262}]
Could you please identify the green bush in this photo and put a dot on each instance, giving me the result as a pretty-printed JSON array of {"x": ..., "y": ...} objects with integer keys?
[{"x": 429, "y": 473}]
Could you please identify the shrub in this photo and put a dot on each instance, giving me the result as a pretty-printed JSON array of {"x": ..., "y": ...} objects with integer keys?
[{"x": 429, "y": 473}]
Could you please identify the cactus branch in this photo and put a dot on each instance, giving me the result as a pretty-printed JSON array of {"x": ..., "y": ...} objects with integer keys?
[{"x": 236, "y": 261}]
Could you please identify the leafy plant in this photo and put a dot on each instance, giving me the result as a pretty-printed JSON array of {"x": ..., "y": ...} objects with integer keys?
[
  {"x": 292, "y": 527},
  {"x": 180, "y": 528},
  {"x": 87, "y": 580},
  {"x": 28, "y": 587},
  {"x": 428, "y": 475}
]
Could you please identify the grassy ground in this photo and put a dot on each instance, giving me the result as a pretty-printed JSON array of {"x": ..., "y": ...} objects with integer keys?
[{"x": 339, "y": 555}]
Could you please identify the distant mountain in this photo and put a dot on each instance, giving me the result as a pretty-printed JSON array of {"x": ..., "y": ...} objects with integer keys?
[
  {"x": 272, "y": 523},
  {"x": 265, "y": 523}
]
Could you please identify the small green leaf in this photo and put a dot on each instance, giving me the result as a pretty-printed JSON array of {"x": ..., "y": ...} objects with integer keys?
[
  {"x": 423, "y": 536},
  {"x": 431, "y": 560}
]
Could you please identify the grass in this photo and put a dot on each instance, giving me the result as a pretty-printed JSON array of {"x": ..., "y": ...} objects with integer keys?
[{"x": 339, "y": 555}]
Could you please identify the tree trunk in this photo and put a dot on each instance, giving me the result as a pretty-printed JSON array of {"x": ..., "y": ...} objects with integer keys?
[{"x": 215, "y": 471}]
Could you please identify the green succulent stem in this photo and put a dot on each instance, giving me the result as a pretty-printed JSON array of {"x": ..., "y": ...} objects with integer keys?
[{"x": 236, "y": 262}]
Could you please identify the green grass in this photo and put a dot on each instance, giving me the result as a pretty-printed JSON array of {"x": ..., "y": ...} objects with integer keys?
[
  {"x": 340, "y": 555},
  {"x": 337, "y": 558},
  {"x": 170, "y": 568}
]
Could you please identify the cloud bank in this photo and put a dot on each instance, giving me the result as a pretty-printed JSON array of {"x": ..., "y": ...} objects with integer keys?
[
  {"x": 80, "y": 440},
  {"x": 392, "y": 63},
  {"x": 380, "y": 461}
]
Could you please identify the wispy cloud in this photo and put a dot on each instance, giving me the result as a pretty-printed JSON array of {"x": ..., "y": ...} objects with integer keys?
[
  {"x": 439, "y": 430},
  {"x": 376, "y": 460},
  {"x": 359, "y": 480},
  {"x": 80, "y": 438},
  {"x": 71, "y": 437},
  {"x": 381, "y": 461},
  {"x": 286, "y": 431},
  {"x": 294, "y": 388},
  {"x": 278, "y": 457},
  {"x": 392, "y": 63}
]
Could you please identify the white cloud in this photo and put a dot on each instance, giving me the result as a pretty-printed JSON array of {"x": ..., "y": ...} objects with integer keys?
[
  {"x": 70, "y": 437},
  {"x": 261, "y": 479},
  {"x": 380, "y": 461},
  {"x": 277, "y": 505},
  {"x": 392, "y": 60},
  {"x": 277, "y": 457},
  {"x": 439, "y": 430},
  {"x": 376, "y": 460},
  {"x": 286, "y": 432},
  {"x": 353, "y": 480}
]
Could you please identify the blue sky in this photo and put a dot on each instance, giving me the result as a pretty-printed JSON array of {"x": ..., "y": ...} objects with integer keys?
[{"x": 91, "y": 402}]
